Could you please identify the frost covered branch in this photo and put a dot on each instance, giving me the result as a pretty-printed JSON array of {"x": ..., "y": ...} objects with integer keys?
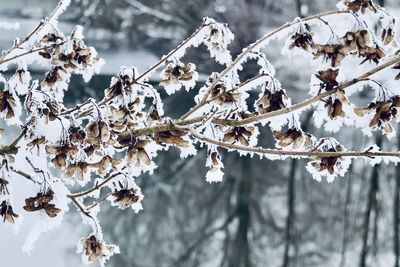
[{"x": 103, "y": 145}]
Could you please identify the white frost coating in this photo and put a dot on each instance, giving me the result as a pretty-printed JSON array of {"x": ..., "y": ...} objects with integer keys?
[
  {"x": 323, "y": 114},
  {"x": 62, "y": 6},
  {"x": 194, "y": 41},
  {"x": 329, "y": 167},
  {"x": 19, "y": 82},
  {"x": 106, "y": 250},
  {"x": 217, "y": 41},
  {"x": 273, "y": 86},
  {"x": 128, "y": 183},
  {"x": 42, "y": 222},
  {"x": 214, "y": 162},
  {"x": 214, "y": 176},
  {"x": 77, "y": 33},
  {"x": 13, "y": 109},
  {"x": 175, "y": 75},
  {"x": 188, "y": 151},
  {"x": 266, "y": 65}
]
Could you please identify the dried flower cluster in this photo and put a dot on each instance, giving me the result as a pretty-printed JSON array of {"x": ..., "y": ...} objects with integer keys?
[
  {"x": 42, "y": 202},
  {"x": 108, "y": 143}
]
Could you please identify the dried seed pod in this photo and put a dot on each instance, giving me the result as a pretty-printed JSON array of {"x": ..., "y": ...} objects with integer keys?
[
  {"x": 271, "y": 101},
  {"x": 328, "y": 166},
  {"x": 137, "y": 154},
  {"x": 36, "y": 142},
  {"x": 173, "y": 137},
  {"x": 384, "y": 111},
  {"x": 372, "y": 54},
  {"x": 77, "y": 170},
  {"x": 42, "y": 202},
  {"x": 175, "y": 73},
  {"x": 3, "y": 187},
  {"x": 53, "y": 76},
  {"x": 98, "y": 133},
  {"x": 238, "y": 134},
  {"x": 7, "y": 104},
  {"x": 302, "y": 40},
  {"x": 125, "y": 197},
  {"x": 153, "y": 115},
  {"x": 50, "y": 38},
  {"x": 387, "y": 35},
  {"x": 76, "y": 135},
  {"x": 335, "y": 108},
  {"x": 61, "y": 154},
  {"x": 6, "y": 211},
  {"x": 360, "y": 5},
  {"x": 105, "y": 163},
  {"x": 354, "y": 41},
  {"x": 223, "y": 96},
  {"x": 292, "y": 136},
  {"x": 331, "y": 52},
  {"x": 96, "y": 249},
  {"x": 326, "y": 163},
  {"x": 328, "y": 78}
]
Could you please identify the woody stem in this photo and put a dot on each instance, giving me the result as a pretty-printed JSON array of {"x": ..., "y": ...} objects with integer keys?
[
  {"x": 96, "y": 187},
  {"x": 304, "y": 154}
]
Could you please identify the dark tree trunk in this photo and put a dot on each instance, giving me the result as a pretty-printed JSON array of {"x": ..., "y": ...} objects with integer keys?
[
  {"x": 240, "y": 250},
  {"x": 345, "y": 237},
  {"x": 396, "y": 213},
  {"x": 298, "y": 8},
  {"x": 371, "y": 205},
  {"x": 291, "y": 215},
  {"x": 291, "y": 192}
]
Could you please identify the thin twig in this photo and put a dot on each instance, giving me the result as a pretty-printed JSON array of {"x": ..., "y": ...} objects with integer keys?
[
  {"x": 99, "y": 201},
  {"x": 96, "y": 187},
  {"x": 40, "y": 26},
  {"x": 305, "y": 154},
  {"x": 23, "y": 174},
  {"x": 248, "y": 50}
]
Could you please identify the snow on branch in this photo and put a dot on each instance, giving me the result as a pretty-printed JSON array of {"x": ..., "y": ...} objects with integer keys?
[{"x": 101, "y": 146}]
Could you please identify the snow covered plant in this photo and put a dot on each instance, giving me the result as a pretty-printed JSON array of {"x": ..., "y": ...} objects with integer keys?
[{"x": 101, "y": 146}]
